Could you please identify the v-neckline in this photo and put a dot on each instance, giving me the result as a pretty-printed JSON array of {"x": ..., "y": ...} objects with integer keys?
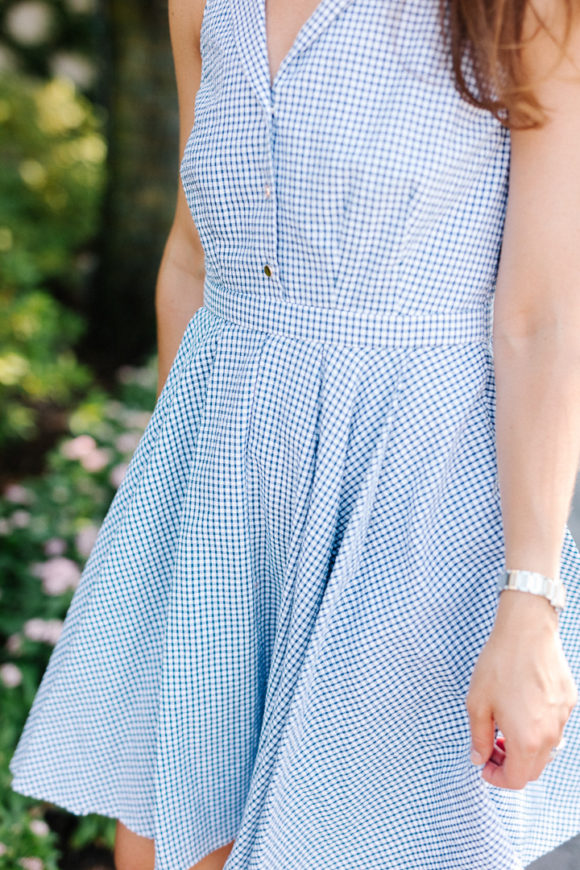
[
  {"x": 249, "y": 22},
  {"x": 284, "y": 62}
]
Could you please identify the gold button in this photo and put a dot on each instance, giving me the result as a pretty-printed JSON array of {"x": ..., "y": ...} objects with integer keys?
[
  {"x": 267, "y": 191},
  {"x": 267, "y": 270}
]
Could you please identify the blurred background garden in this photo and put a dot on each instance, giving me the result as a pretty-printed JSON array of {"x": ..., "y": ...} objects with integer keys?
[{"x": 88, "y": 174}]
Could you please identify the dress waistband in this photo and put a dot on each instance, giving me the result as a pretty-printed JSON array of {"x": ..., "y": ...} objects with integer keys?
[{"x": 350, "y": 326}]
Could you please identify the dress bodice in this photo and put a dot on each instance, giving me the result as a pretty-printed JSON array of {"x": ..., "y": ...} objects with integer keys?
[{"x": 361, "y": 177}]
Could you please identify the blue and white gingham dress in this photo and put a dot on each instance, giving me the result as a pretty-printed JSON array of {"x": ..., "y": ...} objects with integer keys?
[{"x": 274, "y": 634}]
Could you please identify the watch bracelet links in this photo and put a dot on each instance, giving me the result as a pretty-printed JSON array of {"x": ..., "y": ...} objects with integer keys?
[{"x": 532, "y": 581}]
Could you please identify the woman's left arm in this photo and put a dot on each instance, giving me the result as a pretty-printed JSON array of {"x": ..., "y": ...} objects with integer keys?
[{"x": 521, "y": 680}]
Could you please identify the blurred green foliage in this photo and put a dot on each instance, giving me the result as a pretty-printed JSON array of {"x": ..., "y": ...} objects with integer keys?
[
  {"x": 52, "y": 175},
  {"x": 48, "y": 526}
]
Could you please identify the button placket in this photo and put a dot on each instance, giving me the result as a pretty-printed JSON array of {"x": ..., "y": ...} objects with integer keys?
[{"x": 269, "y": 263}]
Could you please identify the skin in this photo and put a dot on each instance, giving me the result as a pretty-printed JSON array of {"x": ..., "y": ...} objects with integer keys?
[
  {"x": 138, "y": 853},
  {"x": 521, "y": 682}
]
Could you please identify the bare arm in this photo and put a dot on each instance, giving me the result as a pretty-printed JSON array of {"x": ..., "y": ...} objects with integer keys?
[
  {"x": 179, "y": 289},
  {"x": 537, "y": 324},
  {"x": 522, "y": 682}
]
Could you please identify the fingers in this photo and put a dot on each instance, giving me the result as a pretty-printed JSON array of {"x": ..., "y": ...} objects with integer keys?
[
  {"x": 524, "y": 761},
  {"x": 529, "y": 696},
  {"x": 513, "y": 762},
  {"x": 515, "y": 771},
  {"x": 498, "y": 754},
  {"x": 482, "y": 729}
]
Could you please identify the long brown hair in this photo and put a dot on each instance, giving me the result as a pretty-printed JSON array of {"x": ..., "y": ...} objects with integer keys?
[{"x": 491, "y": 33}]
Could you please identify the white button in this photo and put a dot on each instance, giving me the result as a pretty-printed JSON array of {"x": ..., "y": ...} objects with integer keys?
[{"x": 267, "y": 191}]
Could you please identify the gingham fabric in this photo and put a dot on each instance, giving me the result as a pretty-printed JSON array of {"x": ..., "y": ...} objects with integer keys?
[{"x": 273, "y": 637}]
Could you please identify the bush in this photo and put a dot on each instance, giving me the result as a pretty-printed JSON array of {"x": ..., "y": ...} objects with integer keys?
[
  {"x": 48, "y": 525},
  {"x": 52, "y": 172}
]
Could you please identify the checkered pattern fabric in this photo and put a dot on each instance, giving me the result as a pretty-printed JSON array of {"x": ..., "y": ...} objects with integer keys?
[{"x": 273, "y": 637}]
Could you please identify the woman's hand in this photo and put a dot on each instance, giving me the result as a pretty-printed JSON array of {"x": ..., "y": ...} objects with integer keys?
[{"x": 522, "y": 683}]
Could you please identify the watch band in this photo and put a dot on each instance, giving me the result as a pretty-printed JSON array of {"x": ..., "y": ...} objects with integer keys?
[{"x": 532, "y": 581}]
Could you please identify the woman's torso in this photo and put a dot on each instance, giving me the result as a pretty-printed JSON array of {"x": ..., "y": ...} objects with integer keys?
[{"x": 360, "y": 177}]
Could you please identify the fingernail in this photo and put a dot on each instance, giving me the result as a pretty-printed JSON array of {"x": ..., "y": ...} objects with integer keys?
[{"x": 475, "y": 756}]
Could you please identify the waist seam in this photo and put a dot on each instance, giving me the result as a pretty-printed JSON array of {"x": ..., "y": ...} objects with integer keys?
[{"x": 350, "y": 326}]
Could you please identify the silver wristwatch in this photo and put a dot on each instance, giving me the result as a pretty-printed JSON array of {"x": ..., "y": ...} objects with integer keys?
[{"x": 533, "y": 581}]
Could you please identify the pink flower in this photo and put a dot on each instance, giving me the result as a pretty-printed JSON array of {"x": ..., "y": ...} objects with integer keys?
[
  {"x": 96, "y": 460},
  {"x": 54, "y": 547},
  {"x": 125, "y": 374},
  {"x": 31, "y": 863},
  {"x": 39, "y": 827},
  {"x": 127, "y": 442},
  {"x": 85, "y": 449},
  {"x": 57, "y": 574},
  {"x": 14, "y": 643},
  {"x": 53, "y": 631},
  {"x": 85, "y": 539},
  {"x": 117, "y": 474},
  {"x": 43, "y": 630},
  {"x": 17, "y": 494},
  {"x": 76, "y": 448},
  {"x": 3, "y": 848},
  {"x": 20, "y": 519},
  {"x": 34, "y": 629},
  {"x": 10, "y": 674}
]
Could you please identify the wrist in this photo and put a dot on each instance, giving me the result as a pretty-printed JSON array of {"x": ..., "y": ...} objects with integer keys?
[
  {"x": 526, "y": 580},
  {"x": 537, "y": 552},
  {"x": 522, "y": 609}
]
